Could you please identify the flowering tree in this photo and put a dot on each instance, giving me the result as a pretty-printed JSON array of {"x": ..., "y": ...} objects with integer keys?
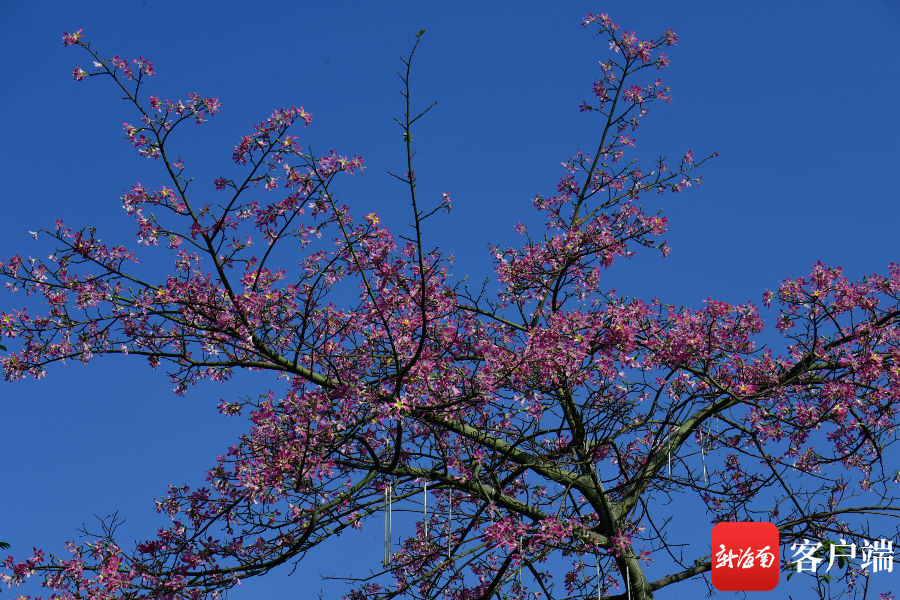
[{"x": 544, "y": 422}]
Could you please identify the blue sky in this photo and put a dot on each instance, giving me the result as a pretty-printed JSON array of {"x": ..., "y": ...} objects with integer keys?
[{"x": 798, "y": 98}]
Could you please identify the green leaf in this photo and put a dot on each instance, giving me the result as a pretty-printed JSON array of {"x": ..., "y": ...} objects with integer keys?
[
  {"x": 420, "y": 33},
  {"x": 4, "y": 545},
  {"x": 407, "y": 137},
  {"x": 2, "y": 347}
]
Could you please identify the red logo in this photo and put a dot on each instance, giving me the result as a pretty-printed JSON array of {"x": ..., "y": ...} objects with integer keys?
[{"x": 745, "y": 557}]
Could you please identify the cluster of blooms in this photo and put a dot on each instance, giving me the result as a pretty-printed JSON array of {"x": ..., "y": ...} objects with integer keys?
[
  {"x": 274, "y": 126},
  {"x": 144, "y": 66},
  {"x": 540, "y": 421},
  {"x": 195, "y": 108},
  {"x": 150, "y": 147}
]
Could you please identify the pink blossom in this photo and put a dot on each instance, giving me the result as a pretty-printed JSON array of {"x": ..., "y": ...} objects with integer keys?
[{"x": 70, "y": 39}]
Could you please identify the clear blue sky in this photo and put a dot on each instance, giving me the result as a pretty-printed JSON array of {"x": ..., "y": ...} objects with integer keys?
[{"x": 799, "y": 99}]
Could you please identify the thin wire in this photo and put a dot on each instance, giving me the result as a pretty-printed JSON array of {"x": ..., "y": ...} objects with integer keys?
[
  {"x": 628, "y": 577},
  {"x": 449, "y": 523},
  {"x": 670, "y": 453},
  {"x": 388, "y": 524},
  {"x": 520, "y": 562},
  {"x": 384, "y": 558},
  {"x": 703, "y": 458},
  {"x": 390, "y": 521},
  {"x": 597, "y": 468},
  {"x": 718, "y": 433},
  {"x": 709, "y": 434}
]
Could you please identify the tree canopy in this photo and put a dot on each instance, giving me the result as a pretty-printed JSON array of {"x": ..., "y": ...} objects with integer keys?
[{"x": 540, "y": 427}]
